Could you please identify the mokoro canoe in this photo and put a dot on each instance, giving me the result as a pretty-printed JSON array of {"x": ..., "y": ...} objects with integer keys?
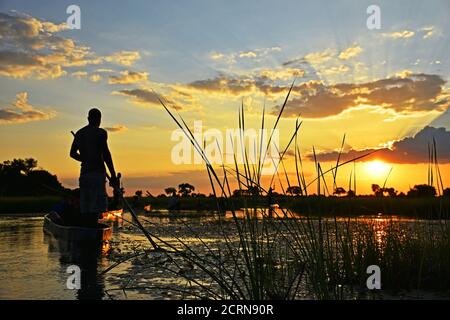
[{"x": 77, "y": 234}]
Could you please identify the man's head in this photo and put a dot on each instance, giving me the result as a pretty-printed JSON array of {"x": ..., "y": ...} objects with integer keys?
[{"x": 94, "y": 117}]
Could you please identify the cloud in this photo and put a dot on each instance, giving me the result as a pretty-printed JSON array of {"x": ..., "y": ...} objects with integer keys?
[
  {"x": 21, "y": 111},
  {"x": 262, "y": 81},
  {"x": 232, "y": 57},
  {"x": 24, "y": 65},
  {"x": 319, "y": 57},
  {"x": 281, "y": 73},
  {"x": 33, "y": 48},
  {"x": 408, "y": 150},
  {"x": 335, "y": 70},
  {"x": 216, "y": 55},
  {"x": 127, "y": 77},
  {"x": 404, "y": 95},
  {"x": 124, "y": 58},
  {"x": 146, "y": 98},
  {"x": 104, "y": 70},
  {"x": 248, "y": 54},
  {"x": 404, "y": 73},
  {"x": 428, "y": 32},
  {"x": 405, "y": 34},
  {"x": 225, "y": 84},
  {"x": 79, "y": 74},
  {"x": 328, "y": 55},
  {"x": 326, "y": 63},
  {"x": 95, "y": 78},
  {"x": 116, "y": 128},
  {"x": 425, "y": 32},
  {"x": 350, "y": 52}
]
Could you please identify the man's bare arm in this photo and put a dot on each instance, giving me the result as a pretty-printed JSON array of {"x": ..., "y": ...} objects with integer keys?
[
  {"x": 74, "y": 151},
  {"x": 108, "y": 159}
]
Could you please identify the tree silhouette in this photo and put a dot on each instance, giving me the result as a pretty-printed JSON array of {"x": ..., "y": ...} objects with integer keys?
[
  {"x": 446, "y": 192},
  {"x": 294, "y": 190},
  {"x": 185, "y": 189},
  {"x": 20, "y": 177},
  {"x": 170, "y": 191},
  {"x": 422, "y": 190},
  {"x": 390, "y": 191},
  {"x": 377, "y": 190},
  {"x": 339, "y": 191}
]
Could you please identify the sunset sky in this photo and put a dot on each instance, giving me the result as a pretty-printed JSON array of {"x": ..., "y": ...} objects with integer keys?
[{"x": 385, "y": 89}]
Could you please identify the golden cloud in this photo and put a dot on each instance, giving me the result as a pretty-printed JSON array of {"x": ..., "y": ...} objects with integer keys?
[
  {"x": 116, "y": 128},
  {"x": 319, "y": 57},
  {"x": 21, "y": 111},
  {"x": 231, "y": 58},
  {"x": 147, "y": 98},
  {"x": 127, "y": 77},
  {"x": 95, "y": 78},
  {"x": 79, "y": 74},
  {"x": 124, "y": 58},
  {"x": 428, "y": 32},
  {"x": 248, "y": 54},
  {"x": 225, "y": 85},
  {"x": 281, "y": 73},
  {"x": 32, "y": 48},
  {"x": 405, "y": 34},
  {"x": 350, "y": 52},
  {"x": 408, "y": 94}
]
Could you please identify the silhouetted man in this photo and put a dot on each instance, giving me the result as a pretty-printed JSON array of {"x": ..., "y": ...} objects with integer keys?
[{"x": 90, "y": 147}]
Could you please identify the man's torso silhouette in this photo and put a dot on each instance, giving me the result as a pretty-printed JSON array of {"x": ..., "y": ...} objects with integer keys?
[{"x": 91, "y": 142}]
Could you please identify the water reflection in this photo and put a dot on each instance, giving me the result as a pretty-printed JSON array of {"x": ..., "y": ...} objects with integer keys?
[
  {"x": 85, "y": 256},
  {"x": 33, "y": 265}
]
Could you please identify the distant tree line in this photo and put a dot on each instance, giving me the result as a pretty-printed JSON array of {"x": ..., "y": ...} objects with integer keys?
[
  {"x": 187, "y": 190},
  {"x": 22, "y": 177}
]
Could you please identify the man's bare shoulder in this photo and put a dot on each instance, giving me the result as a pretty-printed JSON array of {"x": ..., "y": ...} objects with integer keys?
[
  {"x": 92, "y": 130},
  {"x": 103, "y": 133},
  {"x": 82, "y": 130}
]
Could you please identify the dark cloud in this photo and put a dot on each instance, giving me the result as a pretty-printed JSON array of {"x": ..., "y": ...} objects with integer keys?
[
  {"x": 225, "y": 84},
  {"x": 414, "y": 93},
  {"x": 403, "y": 94},
  {"x": 408, "y": 150},
  {"x": 270, "y": 81},
  {"x": 147, "y": 97}
]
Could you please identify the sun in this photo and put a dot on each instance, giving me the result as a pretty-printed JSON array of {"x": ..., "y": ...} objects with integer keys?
[{"x": 376, "y": 168}]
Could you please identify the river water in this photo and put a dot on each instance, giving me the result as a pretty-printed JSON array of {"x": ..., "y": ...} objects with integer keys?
[
  {"x": 33, "y": 264},
  {"x": 30, "y": 267}
]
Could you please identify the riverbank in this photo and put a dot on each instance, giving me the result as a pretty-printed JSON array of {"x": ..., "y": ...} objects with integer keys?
[{"x": 424, "y": 208}]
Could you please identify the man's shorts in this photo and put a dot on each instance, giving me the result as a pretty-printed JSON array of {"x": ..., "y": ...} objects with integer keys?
[{"x": 93, "y": 196}]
